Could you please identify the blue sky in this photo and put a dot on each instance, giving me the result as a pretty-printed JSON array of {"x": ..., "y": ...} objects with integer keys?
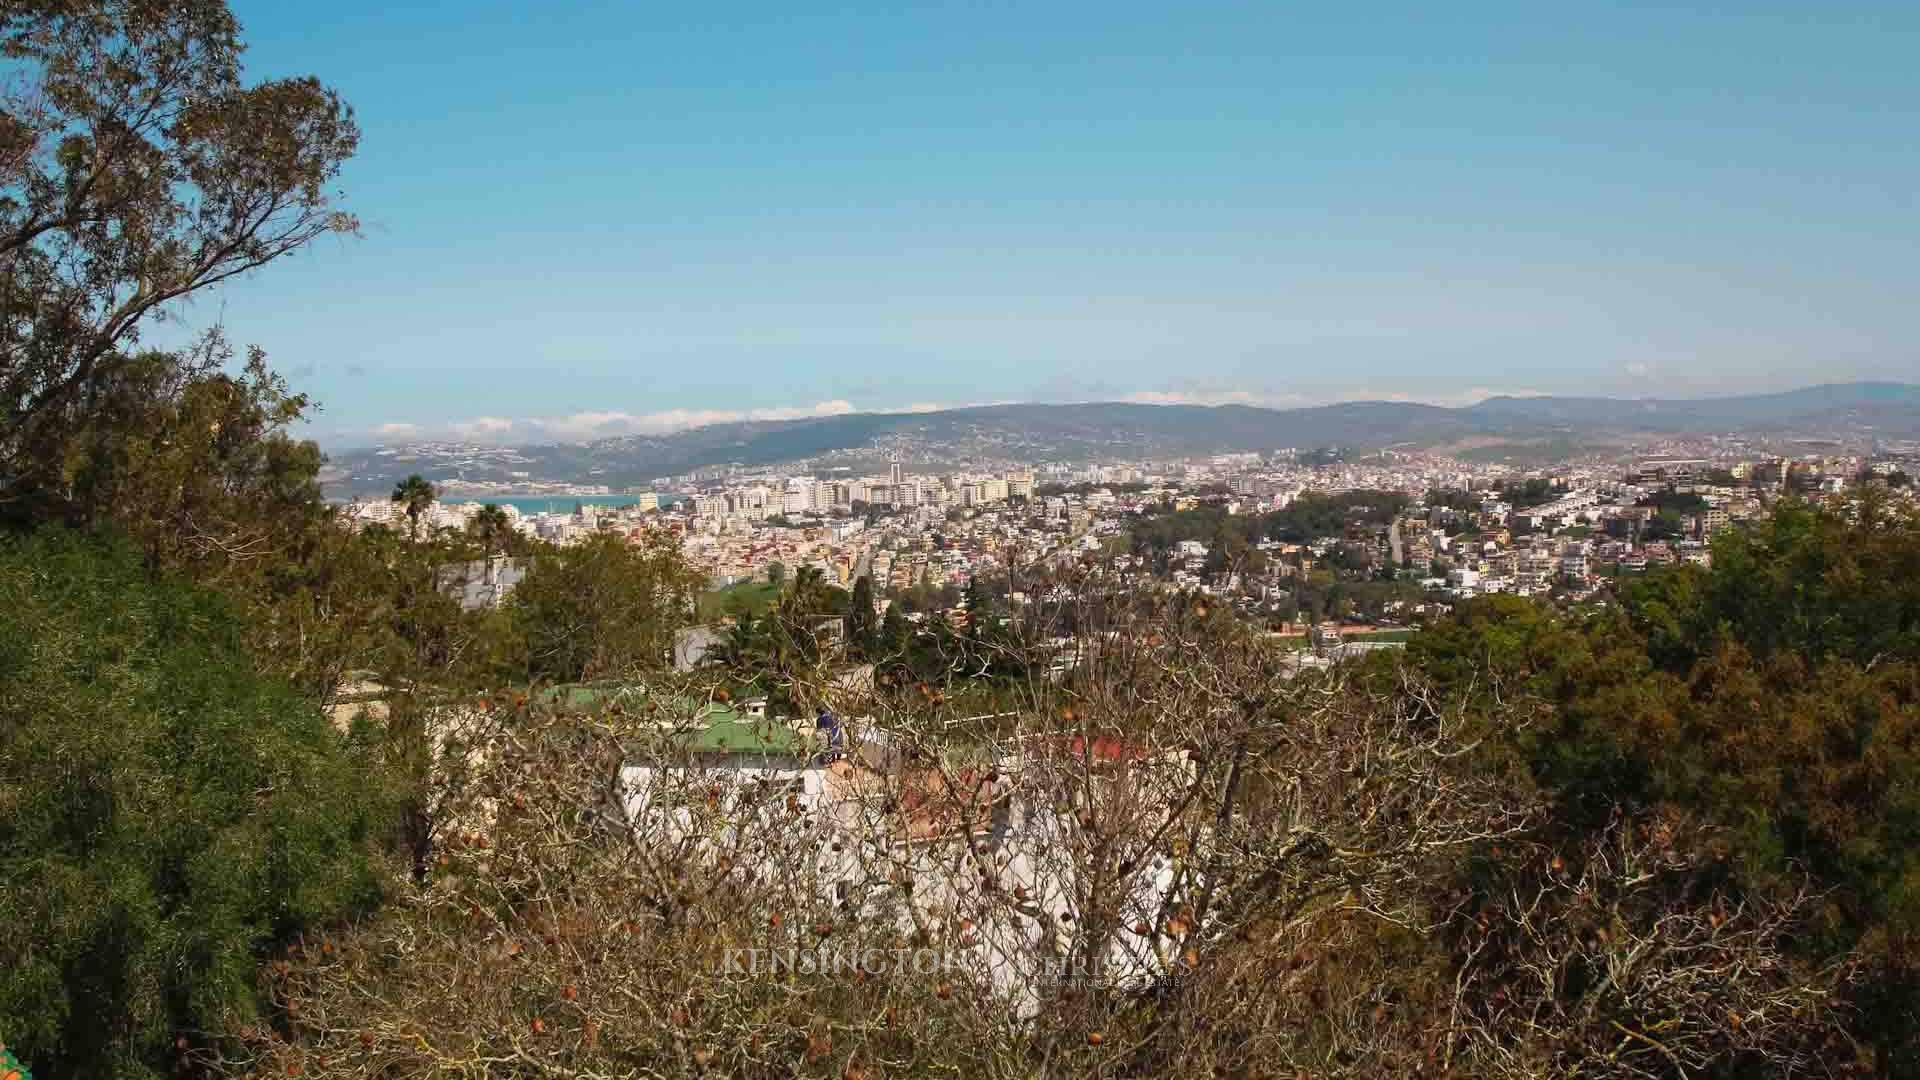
[{"x": 615, "y": 217}]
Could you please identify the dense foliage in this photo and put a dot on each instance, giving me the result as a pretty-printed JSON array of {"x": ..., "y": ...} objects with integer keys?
[
  {"x": 136, "y": 168},
  {"x": 1776, "y": 695},
  {"x": 1311, "y": 516},
  {"x": 1348, "y": 582},
  {"x": 603, "y": 607},
  {"x": 165, "y": 814}
]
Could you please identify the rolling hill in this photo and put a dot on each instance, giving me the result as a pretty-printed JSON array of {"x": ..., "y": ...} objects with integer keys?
[{"x": 1036, "y": 432}]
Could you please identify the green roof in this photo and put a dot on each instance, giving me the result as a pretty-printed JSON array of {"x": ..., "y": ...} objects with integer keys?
[
  {"x": 727, "y": 732},
  {"x": 587, "y": 696},
  {"x": 713, "y": 728}
]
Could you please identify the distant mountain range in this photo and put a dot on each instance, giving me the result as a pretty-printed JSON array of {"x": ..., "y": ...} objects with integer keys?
[{"x": 1877, "y": 410}]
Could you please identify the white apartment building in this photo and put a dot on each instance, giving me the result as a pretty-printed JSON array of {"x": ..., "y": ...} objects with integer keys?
[
  {"x": 1533, "y": 572},
  {"x": 1573, "y": 565}
]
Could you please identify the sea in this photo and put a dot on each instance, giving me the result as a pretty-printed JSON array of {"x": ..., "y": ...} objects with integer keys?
[
  {"x": 538, "y": 504},
  {"x": 558, "y": 504}
]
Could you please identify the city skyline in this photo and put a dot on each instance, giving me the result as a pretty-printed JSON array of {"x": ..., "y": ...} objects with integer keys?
[{"x": 608, "y": 221}]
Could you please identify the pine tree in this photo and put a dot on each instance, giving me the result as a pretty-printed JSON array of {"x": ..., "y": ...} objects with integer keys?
[{"x": 862, "y": 625}]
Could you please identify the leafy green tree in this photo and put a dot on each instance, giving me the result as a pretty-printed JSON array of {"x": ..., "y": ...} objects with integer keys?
[
  {"x": 136, "y": 168},
  {"x": 895, "y": 633},
  {"x": 604, "y": 607},
  {"x": 807, "y": 598},
  {"x": 1823, "y": 583},
  {"x": 168, "y": 814},
  {"x": 974, "y": 598},
  {"x": 197, "y": 466},
  {"x": 1679, "y": 503},
  {"x": 1528, "y": 493},
  {"x": 1230, "y": 550},
  {"x": 1452, "y": 499},
  {"x": 1665, "y": 525},
  {"x": 862, "y": 624},
  {"x": 797, "y": 617},
  {"x": 193, "y": 462},
  {"x": 1312, "y": 515},
  {"x": 1776, "y": 696}
]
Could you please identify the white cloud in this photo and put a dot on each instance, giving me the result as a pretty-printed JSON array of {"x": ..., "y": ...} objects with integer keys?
[
  {"x": 601, "y": 424},
  {"x": 483, "y": 426},
  {"x": 1215, "y": 397},
  {"x": 587, "y": 425}
]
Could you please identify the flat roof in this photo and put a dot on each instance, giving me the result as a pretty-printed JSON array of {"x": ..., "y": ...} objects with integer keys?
[{"x": 712, "y": 727}]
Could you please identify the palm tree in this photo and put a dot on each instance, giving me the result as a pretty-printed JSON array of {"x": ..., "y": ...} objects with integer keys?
[
  {"x": 740, "y": 648},
  {"x": 491, "y": 527},
  {"x": 415, "y": 496}
]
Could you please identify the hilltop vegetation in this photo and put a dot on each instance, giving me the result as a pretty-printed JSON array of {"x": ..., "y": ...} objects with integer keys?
[
  {"x": 1312, "y": 516},
  {"x": 1657, "y": 822},
  {"x": 170, "y": 815},
  {"x": 274, "y": 802},
  {"x": 1775, "y": 697}
]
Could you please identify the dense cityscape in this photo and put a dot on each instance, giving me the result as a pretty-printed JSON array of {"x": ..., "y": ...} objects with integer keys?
[{"x": 1409, "y": 533}]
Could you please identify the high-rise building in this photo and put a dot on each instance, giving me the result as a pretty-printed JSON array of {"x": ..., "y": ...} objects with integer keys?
[{"x": 893, "y": 473}]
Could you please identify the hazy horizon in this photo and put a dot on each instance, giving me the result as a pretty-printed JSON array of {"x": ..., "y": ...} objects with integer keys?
[{"x": 613, "y": 425}]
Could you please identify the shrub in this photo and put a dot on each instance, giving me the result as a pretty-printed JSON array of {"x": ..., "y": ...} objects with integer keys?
[{"x": 166, "y": 814}]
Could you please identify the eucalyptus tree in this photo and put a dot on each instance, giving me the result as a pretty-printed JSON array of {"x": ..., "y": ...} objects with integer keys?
[{"x": 137, "y": 167}]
